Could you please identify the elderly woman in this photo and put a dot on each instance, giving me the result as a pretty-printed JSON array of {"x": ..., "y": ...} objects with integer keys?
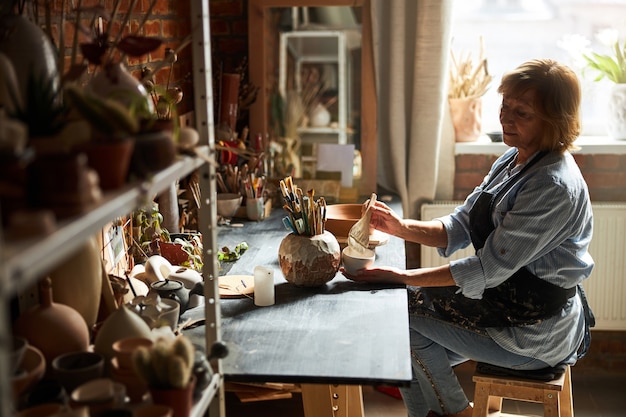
[{"x": 515, "y": 303}]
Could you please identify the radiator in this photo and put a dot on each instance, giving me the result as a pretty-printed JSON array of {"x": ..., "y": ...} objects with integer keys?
[{"x": 605, "y": 288}]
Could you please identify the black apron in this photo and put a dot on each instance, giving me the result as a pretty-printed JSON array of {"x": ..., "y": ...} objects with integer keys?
[{"x": 522, "y": 299}]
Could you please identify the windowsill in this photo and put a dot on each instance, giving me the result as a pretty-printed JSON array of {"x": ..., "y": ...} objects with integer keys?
[{"x": 587, "y": 145}]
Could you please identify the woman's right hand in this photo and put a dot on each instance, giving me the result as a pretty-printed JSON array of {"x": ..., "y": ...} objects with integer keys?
[{"x": 386, "y": 220}]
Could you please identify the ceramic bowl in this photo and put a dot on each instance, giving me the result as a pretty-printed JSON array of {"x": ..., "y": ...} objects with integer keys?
[
  {"x": 123, "y": 349},
  {"x": 30, "y": 370},
  {"x": 18, "y": 348},
  {"x": 353, "y": 260},
  {"x": 495, "y": 136},
  {"x": 99, "y": 393},
  {"x": 75, "y": 368},
  {"x": 228, "y": 204},
  {"x": 41, "y": 410}
]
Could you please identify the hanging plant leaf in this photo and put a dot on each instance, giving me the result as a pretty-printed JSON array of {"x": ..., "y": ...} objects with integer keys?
[{"x": 138, "y": 45}]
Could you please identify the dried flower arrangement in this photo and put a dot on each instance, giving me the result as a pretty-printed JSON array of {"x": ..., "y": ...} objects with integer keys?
[{"x": 467, "y": 80}]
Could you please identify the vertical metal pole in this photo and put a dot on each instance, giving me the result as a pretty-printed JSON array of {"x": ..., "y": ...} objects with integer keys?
[{"x": 203, "y": 109}]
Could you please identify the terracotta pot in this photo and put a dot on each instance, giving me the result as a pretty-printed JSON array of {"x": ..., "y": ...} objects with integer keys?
[
  {"x": 309, "y": 261},
  {"x": 180, "y": 400},
  {"x": 467, "y": 114},
  {"x": 111, "y": 160},
  {"x": 153, "y": 152},
  {"x": 77, "y": 282},
  {"x": 51, "y": 327}
]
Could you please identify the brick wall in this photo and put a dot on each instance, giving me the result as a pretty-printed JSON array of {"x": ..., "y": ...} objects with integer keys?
[
  {"x": 169, "y": 21},
  {"x": 605, "y": 174}
]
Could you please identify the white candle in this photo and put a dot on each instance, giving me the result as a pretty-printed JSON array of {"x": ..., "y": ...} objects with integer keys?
[{"x": 263, "y": 286}]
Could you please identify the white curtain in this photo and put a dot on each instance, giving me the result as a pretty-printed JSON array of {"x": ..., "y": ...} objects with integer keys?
[{"x": 415, "y": 135}]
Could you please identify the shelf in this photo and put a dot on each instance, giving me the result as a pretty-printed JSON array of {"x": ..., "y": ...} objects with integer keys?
[
  {"x": 27, "y": 260},
  {"x": 201, "y": 406}
]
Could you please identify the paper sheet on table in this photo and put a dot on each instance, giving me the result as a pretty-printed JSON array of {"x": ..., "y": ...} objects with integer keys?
[{"x": 336, "y": 158}]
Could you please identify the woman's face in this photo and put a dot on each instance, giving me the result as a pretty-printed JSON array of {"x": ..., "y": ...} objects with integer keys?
[{"x": 521, "y": 127}]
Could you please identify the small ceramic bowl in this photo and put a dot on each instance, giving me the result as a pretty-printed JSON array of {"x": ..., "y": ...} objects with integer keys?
[
  {"x": 341, "y": 217},
  {"x": 123, "y": 350},
  {"x": 75, "y": 368},
  {"x": 495, "y": 136},
  {"x": 18, "y": 348},
  {"x": 228, "y": 204},
  {"x": 353, "y": 260},
  {"x": 30, "y": 372}
]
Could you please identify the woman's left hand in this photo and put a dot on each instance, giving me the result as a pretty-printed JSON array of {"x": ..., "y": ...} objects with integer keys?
[{"x": 382, "y": 274}]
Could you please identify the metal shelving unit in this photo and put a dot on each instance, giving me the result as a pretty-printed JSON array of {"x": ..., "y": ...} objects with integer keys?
[
  {"x": 22, "y": 263},
  {"x": 318, "y": 47}
]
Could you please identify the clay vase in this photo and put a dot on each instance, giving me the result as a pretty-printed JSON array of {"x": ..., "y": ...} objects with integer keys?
[
  {"x": 153, "y": 152},
  {"x": 466, "y": 114},
  {"x": 309, "y": 261},
  {"x": 179, "y": 399},
  {"x": 53, "y": 328},
  {"x": 121, "y": 324},
  {"x": 78, "y": 281}
]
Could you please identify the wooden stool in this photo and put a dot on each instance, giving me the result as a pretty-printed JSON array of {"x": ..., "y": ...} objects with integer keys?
[{"x": 556, "y": 395}]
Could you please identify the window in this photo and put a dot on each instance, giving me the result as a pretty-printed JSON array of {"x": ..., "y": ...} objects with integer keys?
[{"x": 514, "y": 31}]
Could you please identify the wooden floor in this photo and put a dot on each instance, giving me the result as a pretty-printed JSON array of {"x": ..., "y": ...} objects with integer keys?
[{"x": 597, "y": 393}]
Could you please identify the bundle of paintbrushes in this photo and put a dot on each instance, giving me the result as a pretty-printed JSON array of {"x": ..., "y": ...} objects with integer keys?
[{"x": 305, "y": 215}]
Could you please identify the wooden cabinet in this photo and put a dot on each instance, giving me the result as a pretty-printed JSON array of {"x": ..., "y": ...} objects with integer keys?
[{"x": 23, "y": 262}]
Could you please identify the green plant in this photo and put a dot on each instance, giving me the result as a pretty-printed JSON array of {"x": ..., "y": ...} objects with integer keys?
[
  {"x": 193, "y": 248},
  {"x": 166, "y": 364},
  {"x": 611, "y": 66}
]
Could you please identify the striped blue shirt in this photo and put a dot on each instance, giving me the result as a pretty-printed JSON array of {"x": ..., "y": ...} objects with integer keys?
[{"x": 544, "y": 222}]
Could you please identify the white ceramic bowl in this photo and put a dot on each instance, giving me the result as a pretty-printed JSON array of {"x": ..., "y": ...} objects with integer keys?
[
  {"x": 228, "y": 204},
  {"x": 353, "y": 260}
]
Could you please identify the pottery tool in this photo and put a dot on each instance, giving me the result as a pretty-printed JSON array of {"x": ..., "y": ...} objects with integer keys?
[{"x": 359, "y": 235}]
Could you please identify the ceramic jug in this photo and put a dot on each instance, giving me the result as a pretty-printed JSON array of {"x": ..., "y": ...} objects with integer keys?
[
  {"x": 175, "y": 290},
  {"x": 53, "y": 328}
]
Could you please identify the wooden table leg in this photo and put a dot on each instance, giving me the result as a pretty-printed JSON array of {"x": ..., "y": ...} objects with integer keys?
[{"x": 332, "y": 400}]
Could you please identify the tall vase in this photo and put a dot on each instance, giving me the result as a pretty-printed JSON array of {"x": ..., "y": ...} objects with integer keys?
[
  {"x": 77, "y": 282},
  {"x": 466, "y": 114},
  {"x": 309, "y": 261},
  {"x": 616, "y": 116}
]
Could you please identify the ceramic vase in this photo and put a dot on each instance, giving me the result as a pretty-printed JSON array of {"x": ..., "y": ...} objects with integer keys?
[
  {"x": 179, "y": 399},
  {"x": 466, "y": 114},
  {"x": 319, "y": 116},
  {"x": 121, "y": 324},
  {"x": 77, "y": 282},
  {"x": 309, "y": 261},
  {"x": 115, "y": 81},
  {"x": 616, "y": 115},
  {"x": 53, "y": 328},
  {"x": 19, "y": 34}
]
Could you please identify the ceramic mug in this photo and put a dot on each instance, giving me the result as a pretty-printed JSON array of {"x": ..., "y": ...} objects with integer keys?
[{"x": 255, "y": 209}]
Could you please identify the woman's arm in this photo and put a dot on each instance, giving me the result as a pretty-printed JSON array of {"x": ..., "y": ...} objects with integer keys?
[
  {"x": 429, "y": 233},
  {"x": 439, "y": 276}
]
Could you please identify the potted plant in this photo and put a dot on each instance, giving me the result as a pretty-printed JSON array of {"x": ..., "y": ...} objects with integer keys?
[
  {"x": 611, "y": 66},
  {"x": 167, "y": 369},
  {"x": 468, "y": 82}
]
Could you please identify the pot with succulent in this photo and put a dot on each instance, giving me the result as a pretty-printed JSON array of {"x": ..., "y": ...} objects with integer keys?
[
  {"x": 613, "y": 68},
  {"x": 467, "y": 85},
  {"x": 167, "y": 369}
]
